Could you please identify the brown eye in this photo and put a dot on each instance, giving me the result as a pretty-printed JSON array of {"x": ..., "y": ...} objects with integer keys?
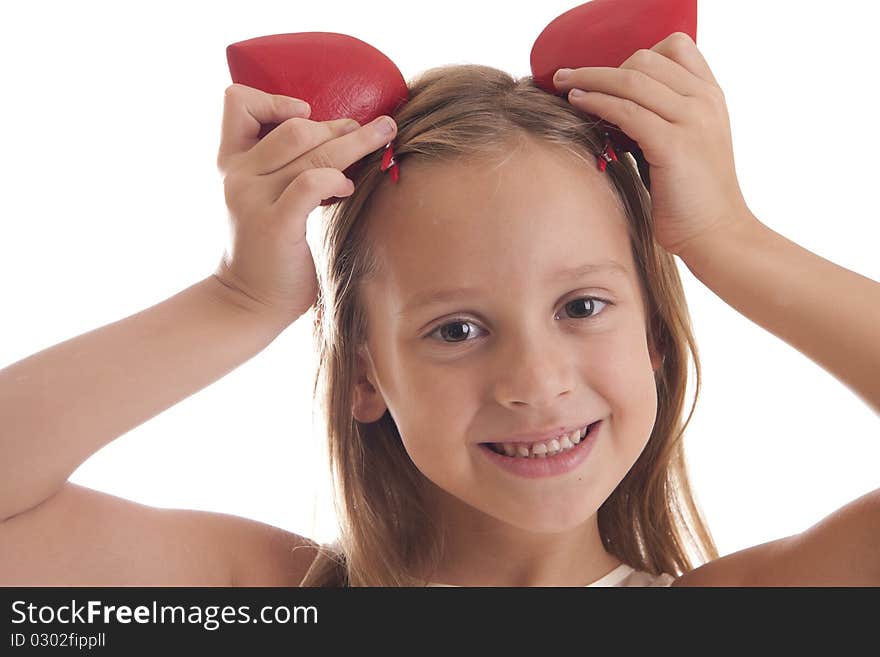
[
  {"x": 454, "y": 332},
  {"x": 585, "y": 307}
]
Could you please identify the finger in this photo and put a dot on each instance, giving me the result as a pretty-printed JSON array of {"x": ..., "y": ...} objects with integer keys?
[
  {"x": 640, "y": 124},
  {"x": 680, "y": 48},
  {"x": 628, "y": 84},
  {"x": 666, "y": 71},
  {"x": 348, "y": 149},
  {"x": 339, "y": 153},
  {"x": 245, "y": 110},
  {"x": 291, "y": 140},
  {"x": 306, "y": 192}
]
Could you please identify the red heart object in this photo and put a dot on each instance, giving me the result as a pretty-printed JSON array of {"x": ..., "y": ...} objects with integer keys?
[
  {"x": 338, "y": 75},
  {"x": 607, "y": 33}
]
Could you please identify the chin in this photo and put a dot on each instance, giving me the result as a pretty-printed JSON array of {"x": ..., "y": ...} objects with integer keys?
[{"x": 546, "y": 519}]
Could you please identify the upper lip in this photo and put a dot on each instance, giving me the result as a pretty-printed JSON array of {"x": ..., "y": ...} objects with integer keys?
[{"x": 541, "y": 435}]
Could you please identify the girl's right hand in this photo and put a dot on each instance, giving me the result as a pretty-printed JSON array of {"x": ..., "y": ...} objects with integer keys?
[{"x": 272, "y": 184}]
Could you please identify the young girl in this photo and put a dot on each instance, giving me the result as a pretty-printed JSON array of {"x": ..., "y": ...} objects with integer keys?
[{"x": 503, "y": 345}]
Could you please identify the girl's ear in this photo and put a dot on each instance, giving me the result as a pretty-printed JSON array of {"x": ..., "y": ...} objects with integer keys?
[{"x": 367, "y": 405}]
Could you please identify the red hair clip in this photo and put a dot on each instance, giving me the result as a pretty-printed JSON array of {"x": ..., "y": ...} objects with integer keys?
[
  {"x": 388, "y": 162},
  {"x": 343, "y": 77},
  {"x": 607, "y": 155}
]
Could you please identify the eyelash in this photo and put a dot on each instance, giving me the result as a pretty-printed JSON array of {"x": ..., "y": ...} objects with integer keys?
[{"x": 465, "y": 320}]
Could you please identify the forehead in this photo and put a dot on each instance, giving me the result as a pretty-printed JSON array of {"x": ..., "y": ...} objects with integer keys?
[{"x": 533, "y": 210}]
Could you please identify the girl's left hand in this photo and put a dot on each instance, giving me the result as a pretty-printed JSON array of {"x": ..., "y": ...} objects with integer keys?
[{"x": 668, "y": 101}]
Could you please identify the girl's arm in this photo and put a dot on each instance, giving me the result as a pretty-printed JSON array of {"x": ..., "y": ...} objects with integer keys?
[
  {"x": 63, "y": 404},
  {"x": 59, "y": 406},
  {"x": 828, "y": 313}
]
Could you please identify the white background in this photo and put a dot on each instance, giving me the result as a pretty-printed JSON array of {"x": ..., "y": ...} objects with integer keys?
[{"x": 111, "y": 203}]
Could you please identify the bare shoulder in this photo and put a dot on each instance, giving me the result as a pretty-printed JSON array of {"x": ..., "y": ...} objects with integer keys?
[
  {"x": 840, "y": 550},
  {"x": 265, "y": 555},
  {"x": 84, "y": 537}
]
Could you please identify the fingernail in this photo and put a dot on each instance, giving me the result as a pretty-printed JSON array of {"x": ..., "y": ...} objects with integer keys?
[
  {"x": 384, "y": 124},
  {"x": 302, "y": 106},
  {"x": 562, "y": 74},
  {"x": 577, "y": 93}
]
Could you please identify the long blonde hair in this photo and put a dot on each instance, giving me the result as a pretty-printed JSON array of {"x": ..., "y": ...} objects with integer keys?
[{"x": 650, "y": 521}]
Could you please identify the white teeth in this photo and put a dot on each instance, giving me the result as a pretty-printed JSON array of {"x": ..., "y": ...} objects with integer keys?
[{"x": 543, "y": 450}]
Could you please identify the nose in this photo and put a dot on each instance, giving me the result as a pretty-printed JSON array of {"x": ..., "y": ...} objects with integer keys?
[{"x": 533, "y": 371}]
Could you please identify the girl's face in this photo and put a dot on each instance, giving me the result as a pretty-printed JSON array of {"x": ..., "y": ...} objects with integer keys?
[{"x": 522, "y": 348}]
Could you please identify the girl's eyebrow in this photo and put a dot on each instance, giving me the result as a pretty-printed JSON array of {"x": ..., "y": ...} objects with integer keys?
[{"x": 440, "y": 295}]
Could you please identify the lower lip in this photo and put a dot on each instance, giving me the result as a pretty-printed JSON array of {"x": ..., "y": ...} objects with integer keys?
[{"x": 548, "y": 466}]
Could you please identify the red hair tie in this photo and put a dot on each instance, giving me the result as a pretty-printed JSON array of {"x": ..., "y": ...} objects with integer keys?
[{"x": 343, "y": 77}]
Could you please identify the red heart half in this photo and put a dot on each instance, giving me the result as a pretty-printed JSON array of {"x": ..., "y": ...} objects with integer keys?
[
  {"x": 607, "y": 33},
  {"x": 338, "y": 75}
]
